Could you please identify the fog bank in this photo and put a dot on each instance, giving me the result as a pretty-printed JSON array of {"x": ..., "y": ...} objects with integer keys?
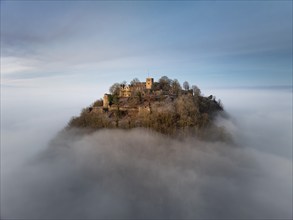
[{"x": 141, "y": 174}]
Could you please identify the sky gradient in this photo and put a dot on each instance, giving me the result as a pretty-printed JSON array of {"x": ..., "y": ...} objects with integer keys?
[{"x": 211, "y": 44}]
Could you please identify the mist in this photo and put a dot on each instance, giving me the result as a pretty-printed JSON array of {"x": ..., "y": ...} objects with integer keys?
[{"x": 142, "y": 174}]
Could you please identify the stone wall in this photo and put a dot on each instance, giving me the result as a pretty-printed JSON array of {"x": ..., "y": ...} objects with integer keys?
[{"x": 106, "y": 101}]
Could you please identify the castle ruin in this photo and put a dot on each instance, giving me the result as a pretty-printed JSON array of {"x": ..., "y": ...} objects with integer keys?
[
  {"x": 129, "y": 90},
  {"x": 126, "y": 91},
  {"x": 149, "y": 83},
  {"x": 106, "y": 101}
]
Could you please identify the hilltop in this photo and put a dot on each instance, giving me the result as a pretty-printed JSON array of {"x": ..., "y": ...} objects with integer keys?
[{"x": 163, "y": 106}]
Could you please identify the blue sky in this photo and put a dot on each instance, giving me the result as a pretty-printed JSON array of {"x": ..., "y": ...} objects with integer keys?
[{"x": 211, "y": 44}]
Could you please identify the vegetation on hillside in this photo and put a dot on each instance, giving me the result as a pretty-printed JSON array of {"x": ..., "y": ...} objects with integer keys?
[{"x": 167, "y": 109}]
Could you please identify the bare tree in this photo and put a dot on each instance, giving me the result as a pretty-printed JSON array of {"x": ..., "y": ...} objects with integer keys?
[
  {"x": 186, "y": 85},
  {"x": 115, "y": 89},
  {"x": 187, "y": 110},
  {"x": 134, "y": 81},
  {"x": 164, "y": 83},
  {"x": 196, "y": 90},
  {"x": 175, "y": 87}
]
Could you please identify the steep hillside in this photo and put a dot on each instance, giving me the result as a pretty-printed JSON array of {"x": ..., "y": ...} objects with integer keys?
[{"x": 162, "y": 106}]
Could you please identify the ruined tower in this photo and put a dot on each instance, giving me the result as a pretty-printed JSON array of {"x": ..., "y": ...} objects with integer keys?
[
  {"x": 106, "y": 101},
  {"x": 149, "y": 83}
]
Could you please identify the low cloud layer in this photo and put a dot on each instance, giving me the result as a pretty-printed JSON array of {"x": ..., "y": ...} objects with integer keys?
[{"x": 141, "y": 174}]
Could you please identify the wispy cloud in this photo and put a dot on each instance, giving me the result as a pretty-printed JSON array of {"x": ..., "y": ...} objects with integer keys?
[{"x": 185, "y": 37}]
